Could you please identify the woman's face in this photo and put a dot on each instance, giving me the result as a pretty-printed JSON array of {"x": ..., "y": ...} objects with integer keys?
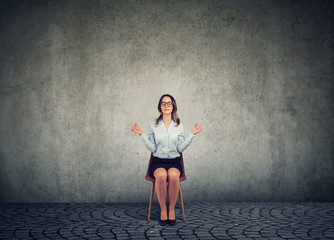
[{"x": 166, "y": 105}]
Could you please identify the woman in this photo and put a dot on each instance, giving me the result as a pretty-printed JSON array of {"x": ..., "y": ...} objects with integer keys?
[{"x": 166, "y": 140}]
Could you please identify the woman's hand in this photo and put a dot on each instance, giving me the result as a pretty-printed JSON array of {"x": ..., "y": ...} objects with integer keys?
[
  {"x": 136, "y": 129},
  {"x": 197, "y": 129}
]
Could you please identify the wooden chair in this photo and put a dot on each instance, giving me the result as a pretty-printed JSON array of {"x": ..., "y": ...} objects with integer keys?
[{"x": 152, "y": 179}]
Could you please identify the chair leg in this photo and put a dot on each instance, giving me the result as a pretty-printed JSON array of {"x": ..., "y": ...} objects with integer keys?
[
  {"x": 151, "y": 198},
  {"x": 181, "y": 204}
]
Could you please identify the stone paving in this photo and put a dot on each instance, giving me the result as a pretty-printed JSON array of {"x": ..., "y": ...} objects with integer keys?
[{"x": 203, "y": 221}]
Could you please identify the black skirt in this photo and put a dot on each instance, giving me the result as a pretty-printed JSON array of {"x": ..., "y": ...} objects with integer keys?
[{"x": 165, "y": 163}]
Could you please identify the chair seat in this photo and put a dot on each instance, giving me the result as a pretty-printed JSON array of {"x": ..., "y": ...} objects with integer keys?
[{"x": 152, "y": 179}]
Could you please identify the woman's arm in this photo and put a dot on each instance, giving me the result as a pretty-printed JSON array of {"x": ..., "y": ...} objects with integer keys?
[
  {"x": 183, "y": 142},
  {"x": 149, "y": 140}
]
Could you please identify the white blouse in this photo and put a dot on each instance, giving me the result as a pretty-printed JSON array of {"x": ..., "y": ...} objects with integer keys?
[{"x": 166, "y": 143}]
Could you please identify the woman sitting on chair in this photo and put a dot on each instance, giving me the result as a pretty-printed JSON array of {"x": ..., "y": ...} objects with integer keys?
[{"x": 166, "y": 141}]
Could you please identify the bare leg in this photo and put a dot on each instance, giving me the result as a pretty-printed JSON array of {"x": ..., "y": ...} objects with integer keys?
[
  {"x": 173, "y": 190},
  {"x": 160, "y": 175}
]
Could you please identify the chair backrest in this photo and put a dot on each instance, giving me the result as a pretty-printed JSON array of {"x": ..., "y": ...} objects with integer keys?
[{"x": 152, "y": 179}]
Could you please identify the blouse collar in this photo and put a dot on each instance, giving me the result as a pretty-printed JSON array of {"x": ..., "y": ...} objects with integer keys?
[{"x": 163, "y": 124}]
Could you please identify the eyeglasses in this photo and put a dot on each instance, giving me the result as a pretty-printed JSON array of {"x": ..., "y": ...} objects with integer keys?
[{"x": 164, "y": 104}]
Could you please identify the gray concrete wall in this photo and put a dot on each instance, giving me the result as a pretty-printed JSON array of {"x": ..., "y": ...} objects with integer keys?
[{"x": 76, "y": 74}]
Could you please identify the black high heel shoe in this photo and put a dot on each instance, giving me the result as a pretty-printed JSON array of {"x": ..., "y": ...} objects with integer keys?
[
  {"x": 163, "y": 222},
  {"x": 171, "y": 222}
]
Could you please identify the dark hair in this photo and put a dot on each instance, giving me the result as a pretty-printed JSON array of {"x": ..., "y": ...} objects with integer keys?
[{"x": 174, "y": 112}]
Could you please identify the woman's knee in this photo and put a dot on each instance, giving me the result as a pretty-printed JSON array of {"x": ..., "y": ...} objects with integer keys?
[
  {"x": 173, "y": 175},
  {"x": 160, "y": 175}
]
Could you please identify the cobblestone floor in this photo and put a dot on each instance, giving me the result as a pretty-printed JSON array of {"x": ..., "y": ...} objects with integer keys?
[{"x": 203, "y": 221}]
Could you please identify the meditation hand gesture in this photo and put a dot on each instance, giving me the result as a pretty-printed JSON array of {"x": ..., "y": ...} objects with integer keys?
[
  {"x": 197, "y": 129},
  {"x": 136, "y": 129}
]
